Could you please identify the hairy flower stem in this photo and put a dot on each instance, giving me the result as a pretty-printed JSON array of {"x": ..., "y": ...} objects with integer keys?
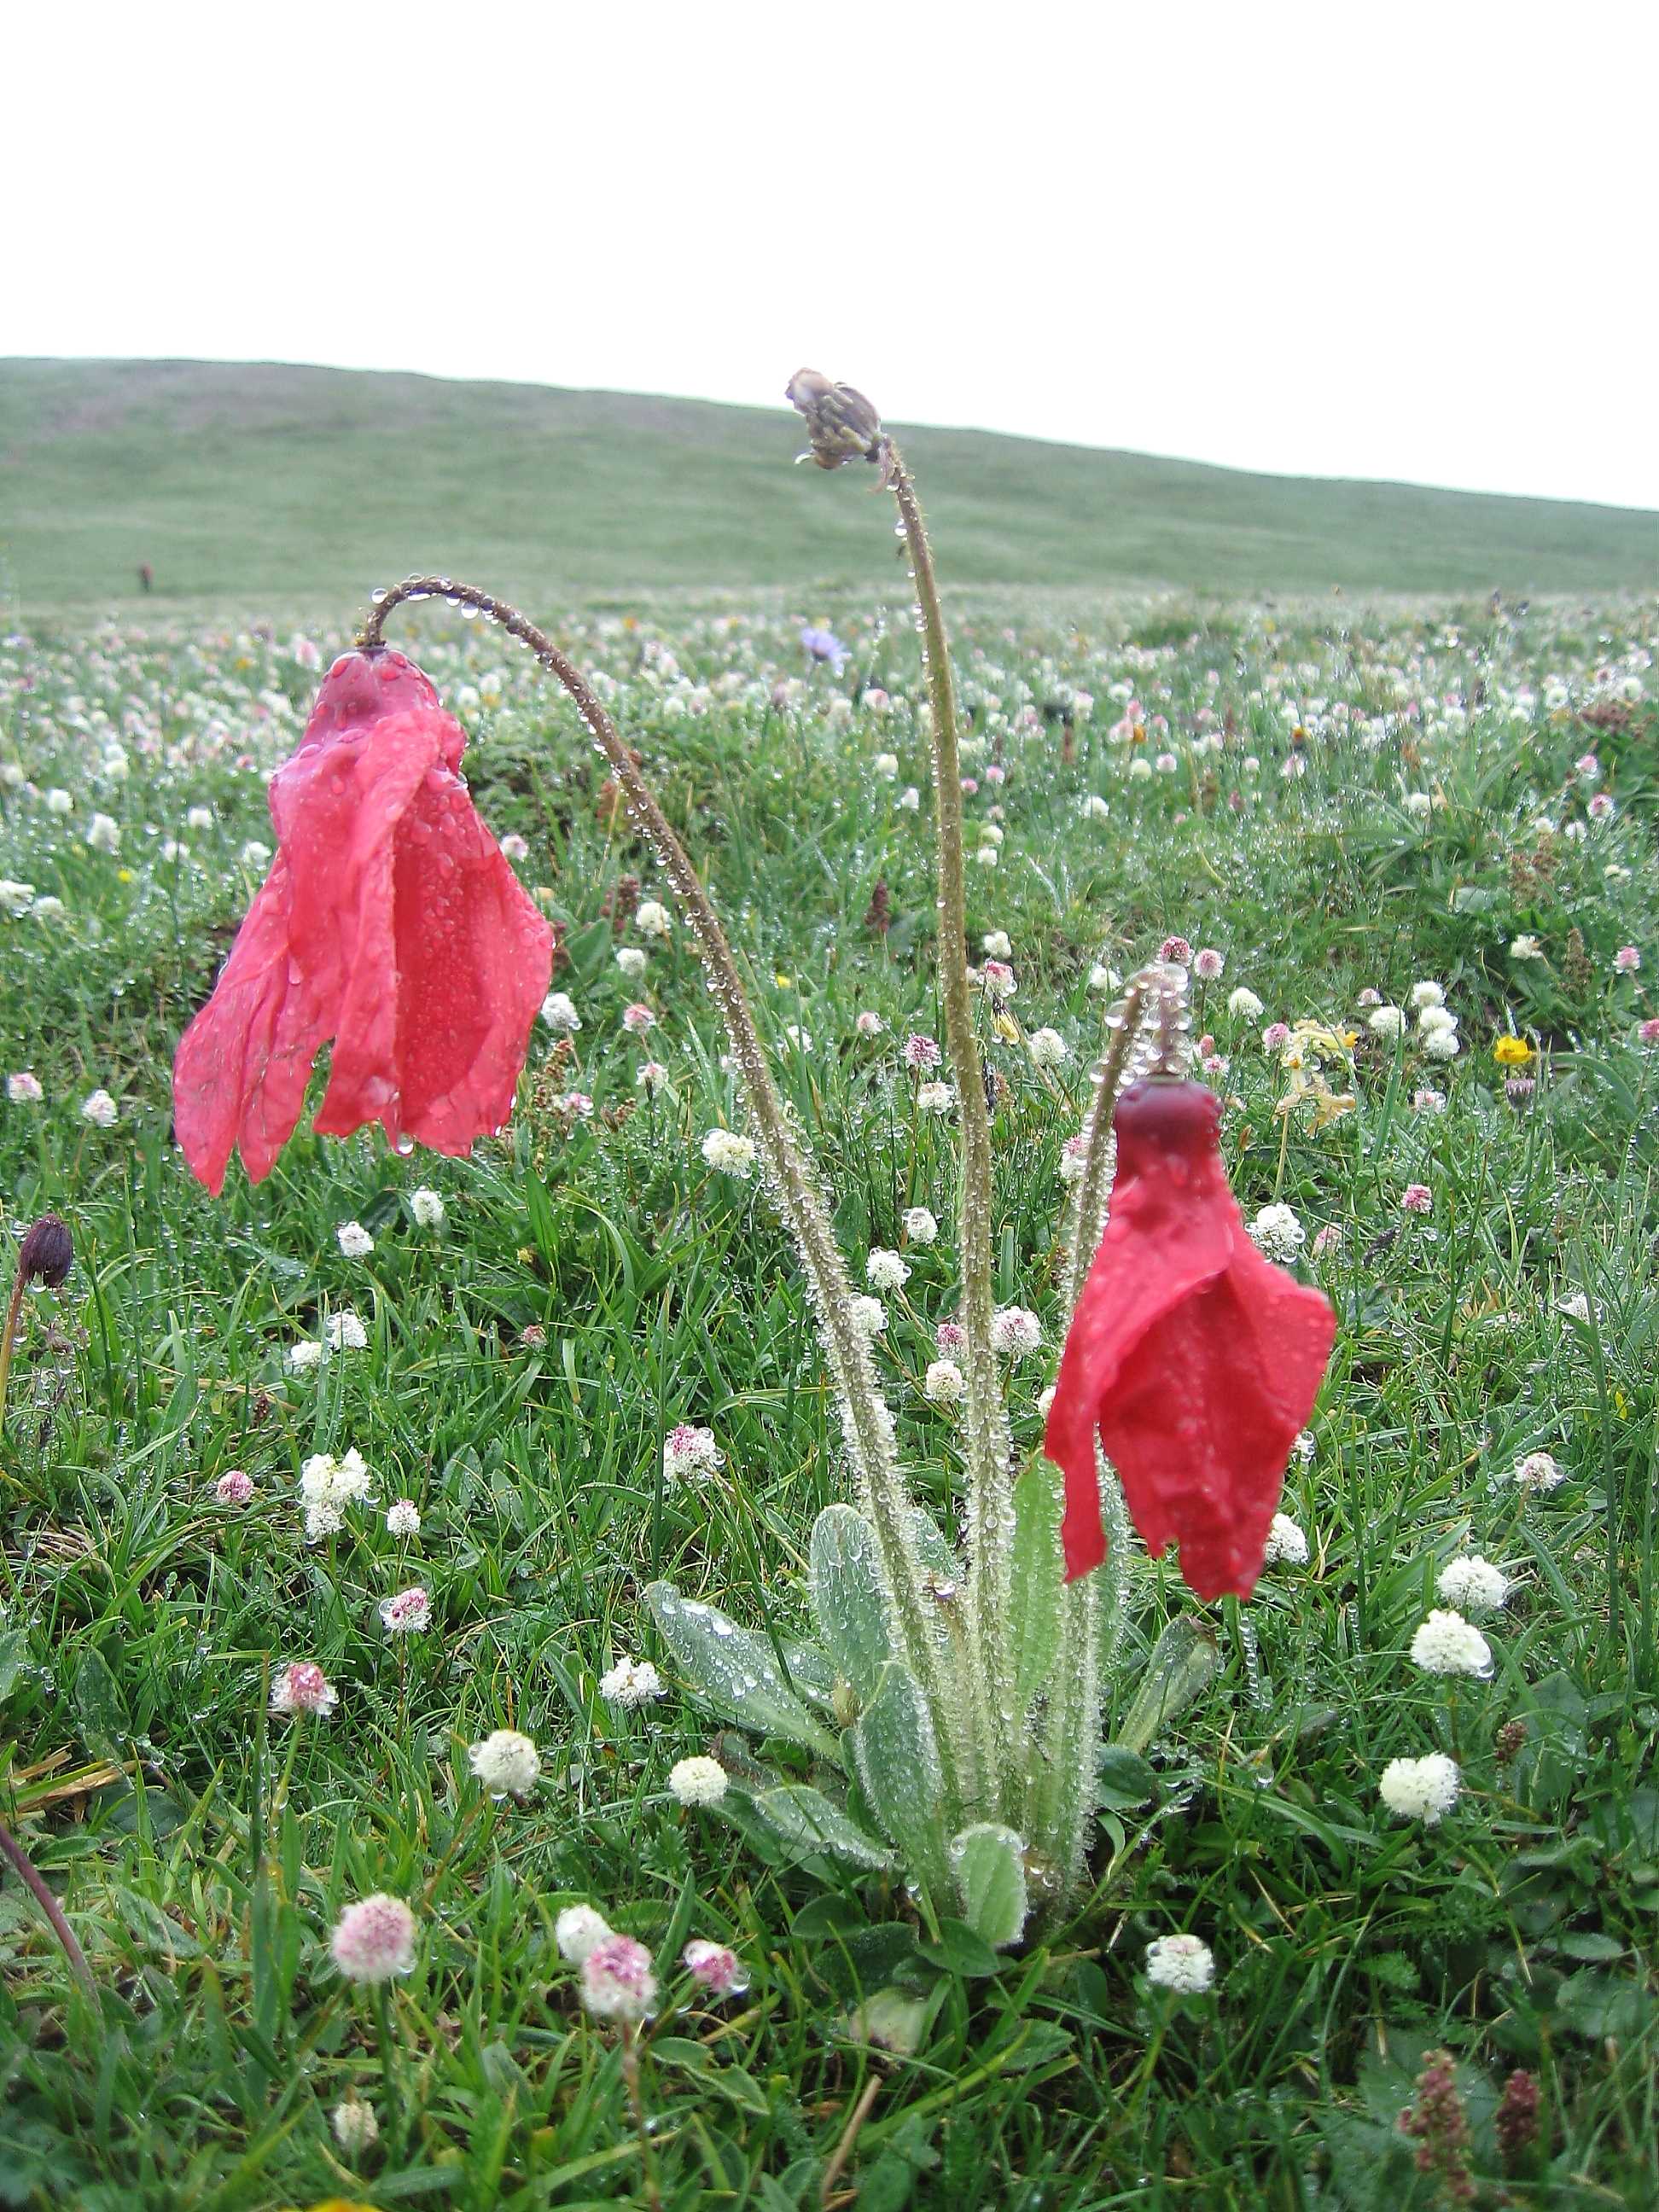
[
  {"x": 990, "y": 1449},
  {"x": 868, "y": 1423}
]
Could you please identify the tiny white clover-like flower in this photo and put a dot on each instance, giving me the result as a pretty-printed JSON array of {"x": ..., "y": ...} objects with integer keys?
[
  {"x": 402, "y": 1518},
  {"x": 1048, "y": 1048},
  {"x": 355, "y": 2127},
  {"x": 1472, "y": 1584},
  {"x": 687, "y": 1450},
  {"x": 698, "y": 1781},
  {"x": 507, "y": 1763},
  {"x": 1427, "y": 994},
  {"x": 1015, "y": 1331},
  {"x": 559, "y": 1013},
  {"x": 1539, "y": 1470},
  {"x": 428, "y": 1208},
  {"x": 346, "y": 1332},
  {"x": 1244, "y": 1004},
  {"x": 631, "y": 1683},
  {"x": 1287, "y": 1542},
  {"x": 578, "y": 1929},
  {"x": 1386, "y": 1021},
  {"x": 653, "y": 918},
  {"x": 869, "y": 1316},
  {"x": 919, "y": 1225},
  {"x": 100, "y": 1109},
  {"x": 1446, "y": 1644},
  {"x": 944, "y": 1382},
  {"x": 1277, "y": 1234},
  {"x": 1420, "y": 1789},
  {"x": 885, "y": 1271},
  {"x": 353, "y": 1240},
  {"x": 728, "y": 1153},
  {"x": 1185, "y": 1963}
]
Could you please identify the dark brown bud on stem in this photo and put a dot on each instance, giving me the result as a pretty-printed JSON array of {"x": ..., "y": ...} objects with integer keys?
[{"x": 46, "y": 1253}]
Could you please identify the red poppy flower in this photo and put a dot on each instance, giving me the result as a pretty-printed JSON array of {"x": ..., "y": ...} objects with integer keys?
[
  {"x": 390, "y": 922},
  {"x": 1195, "y": 1358}
]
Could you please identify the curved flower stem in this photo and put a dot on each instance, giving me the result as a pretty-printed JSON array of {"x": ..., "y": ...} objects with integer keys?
[
  {"x": 30, "y": 1874},
  {"x": 867, "y": 1423},
  {"x": 989, "y": 1450}
]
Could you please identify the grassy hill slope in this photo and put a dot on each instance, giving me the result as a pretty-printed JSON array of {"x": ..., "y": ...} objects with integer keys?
[{"x": 246, "y": 485}]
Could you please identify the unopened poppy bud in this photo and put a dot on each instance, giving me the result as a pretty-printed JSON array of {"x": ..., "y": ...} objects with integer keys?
[
  {"x": 842, "y": 424},
  {"x": 46, "y": 1253}
]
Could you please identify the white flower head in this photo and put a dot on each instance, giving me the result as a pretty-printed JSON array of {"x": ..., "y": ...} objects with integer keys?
[
  {"x": 100, "y": 1109},
  {"x": 577, "y": 1930},
  {"x": 1048, "y": 1048},
  {"x": 1244, "y": 1004},
  {"x": 428, "y": 1208},
  {"x": 945, "y": 1382},
  {"x": 885, "y": 1271},
  {"x": 1015, "y": 1331},
  {"x": 653, "y": 918},
  {"x": 1277, "y": 1234},
  {"x": 1539, "y": 1471},
  {"x": 698, "y": 1781},
  {"x": 920, "y": 1226},
  {"x": 1185, "y": 1963},
  {"x": 1286, "y": 1542},
  {"x": 1446, "y": 1644},
  {"x": 1420, "y": 1789},
  {"x": 507, "y": 1763},
  {"x": 631, "y": 1683},
  {"x": 353, "y": 1240},
  {"x": 728, "y": 1153},
  {"x": 1472, "y": 1584},
  {"x": 559, "y": 1013}
]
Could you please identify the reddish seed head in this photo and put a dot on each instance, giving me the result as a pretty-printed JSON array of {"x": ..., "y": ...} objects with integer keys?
[
  {"x": 46, "y": 1253},
  {"x": 1195, "y": 1360}
]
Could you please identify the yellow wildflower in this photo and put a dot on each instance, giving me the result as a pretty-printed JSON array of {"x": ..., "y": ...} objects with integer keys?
[{"x": 1512, "y": 1052}]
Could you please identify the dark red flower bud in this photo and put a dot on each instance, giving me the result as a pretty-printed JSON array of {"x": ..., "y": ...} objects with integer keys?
[
  {"x": 390, "y": 922},
  {"x": 1195, "y": 1358},
  {"x": 47, "y": 1254}
]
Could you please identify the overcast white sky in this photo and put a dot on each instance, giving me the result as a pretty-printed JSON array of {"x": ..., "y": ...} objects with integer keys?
[{"x": 1388, "y": 240}]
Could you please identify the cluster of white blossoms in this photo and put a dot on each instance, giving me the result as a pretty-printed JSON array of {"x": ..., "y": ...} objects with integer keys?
[
  {"x": 1472, "y": 1584},
  {"x": 1420, "y": 1789},
  {"x": 698, "y": 1781},
  {"x": 507, "y": 1763},
  {"x": 1539, "y": 1471},
  {"x": 885, "y": 1271},
  {"x": 1277, "y": 1234},
  {"x": 687, "y": 1452},
  {"x": 1446, "y": 1644},
  {"x": 944, "y": 1382},
  {"x": 631, "y": 1683},
  {"x": 920, "y": 1226},
  {"x": 728, "y": 1153},
  {"x": 428, "y": 1208},
  {"x": 559, "y": 1013},
  {"x": 1048, "y": 1048},
  {"x": 353, "y": 1240},
  {"x": 1015, "y": 1331},
  {"x": 653, "y": 918},
  {"x": 1287, "y": 1543},
  {"x": 327, "y": 1487},
  {"x": 1185, "y": 1963}
]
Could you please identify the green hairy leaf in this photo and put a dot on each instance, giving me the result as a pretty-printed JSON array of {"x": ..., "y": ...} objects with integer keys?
[
  {"x": 988, "y": 1863},
  {"x": 1037, "y": 1580},
  {"x": 849, "y": 1600},
  {"x": 736, "y": 1673},
  {"x": 897, "y": 1757},
  {"x": 806, "y": 1818}
]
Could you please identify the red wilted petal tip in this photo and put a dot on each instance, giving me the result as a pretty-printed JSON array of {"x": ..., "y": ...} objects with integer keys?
[
  {"x": 1195, "y": 1360},
  {"x": 390, "y": 923}
]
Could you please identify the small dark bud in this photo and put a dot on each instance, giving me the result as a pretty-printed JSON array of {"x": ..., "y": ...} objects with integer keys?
[
  {"x": 47, "y": 1254},
  {"x": 842, "y": 423}
]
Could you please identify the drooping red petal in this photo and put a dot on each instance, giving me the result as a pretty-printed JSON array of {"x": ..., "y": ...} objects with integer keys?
[
  {"x": 1197, "y": 1360},
  {"x": 391, "y": 922}
]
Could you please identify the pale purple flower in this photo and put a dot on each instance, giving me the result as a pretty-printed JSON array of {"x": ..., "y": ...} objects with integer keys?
[
  {"x": 825, "y": 649},
  {"x": 1207, "y": 964},
  {"x": 617, "y": 1983},
  {"x": 234, "y": 1487},
  {"x": 720, "y": 1971},
  {"x": 410, "y": 1610},
  {"x": 1417, "y": 1198},
  {"x": 374, "y": 1939},
  {"x": 1626, "y": 960},
  {"x": 921, "y": 1052}
]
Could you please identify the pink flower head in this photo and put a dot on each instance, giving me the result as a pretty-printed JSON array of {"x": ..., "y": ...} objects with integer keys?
[
  {"x": 869, "y": 1023},
  {"x": 389, "y": 922},
  {"x": 996, "y": 773},
  {"x": 1600, "y": 807},
  {"x": 920, "y": 1052},
  {"x": 997, "y": 978},
  {"x": 970, "y": 786},
  {"x": 302, "y": 1687},
  {"x": 721, "y": 1972},
  {"x": 1649, "y": 1031},
  {"x": 637, "y": 1018},
  {"x": 374, "y": 1939},
  {"x": 1177, "y": 950},
  {"x": 1587, "y": 766},
  {"x": 1368, "y": 997},
  {"x": 233, "y": 1488},
  {"x": 1275, "y": 1035},
  {"x": 412, "y": 1610},
  {"x": 1417, "y": 1198},
  {"x": 950, "y": 1336},
  {"x": 1626, "y": 960},
  {"x": 1207, "y": 964},
  {"x": 617, "y": 1983}
]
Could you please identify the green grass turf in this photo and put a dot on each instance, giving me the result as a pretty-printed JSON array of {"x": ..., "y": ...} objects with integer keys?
[
  {"x": 267, "y": 488},
  {"x": 595, "y": 1284}
]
